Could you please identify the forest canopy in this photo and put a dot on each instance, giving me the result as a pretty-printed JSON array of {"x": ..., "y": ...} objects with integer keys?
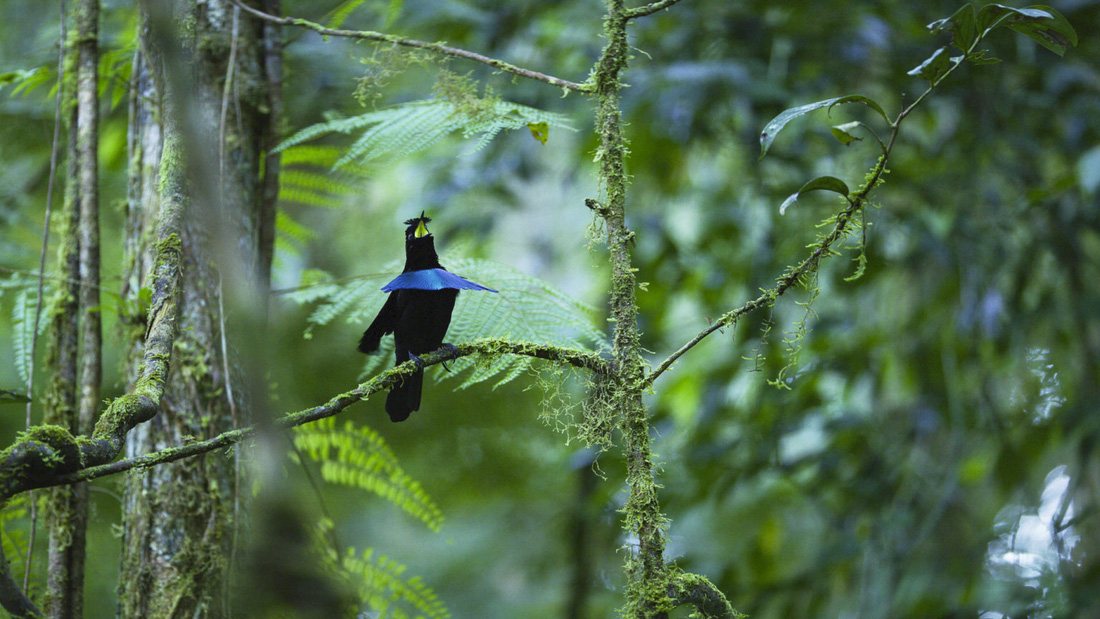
[{"x": 794, "y": 309}]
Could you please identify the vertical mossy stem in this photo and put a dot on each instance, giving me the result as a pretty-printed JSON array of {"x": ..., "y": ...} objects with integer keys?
[{"x": 647, "y": 590}]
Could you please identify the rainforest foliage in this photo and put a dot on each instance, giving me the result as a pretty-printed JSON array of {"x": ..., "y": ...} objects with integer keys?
[{"x": 798, "y": 309}]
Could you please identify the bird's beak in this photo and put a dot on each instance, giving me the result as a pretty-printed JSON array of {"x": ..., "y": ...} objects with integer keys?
[{"x": 421, "y": 230}]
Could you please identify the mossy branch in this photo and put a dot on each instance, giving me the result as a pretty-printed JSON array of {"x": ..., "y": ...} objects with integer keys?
[
  {"x": 649, "y": 9},
  {"x": 821, "y": 249},
  {"x": 486, "y": 347},
  {"x": 46, "y": 452},
  {"x": 857, "y": 201},
  {"x": 438, "y": 48},
  {"x": 699, "y": 592}
]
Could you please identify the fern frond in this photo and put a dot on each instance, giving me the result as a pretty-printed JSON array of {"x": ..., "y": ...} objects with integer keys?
[
  {"x": 405, "y": 129},
  {"x": 315, "y": 284},
  {"x": 15, "y": 539},
  {"x": 337, "y": 125},
  {"x": 340, "y": 14},
  {"x": 318, "y": 155},
  {"x": 22, "y": 323},
  {"x": 358, "y": 457},
  {"x": 317, "y": 182},
  {"x": 294, "y": 234},
  {"x": 381, "y": 586}
]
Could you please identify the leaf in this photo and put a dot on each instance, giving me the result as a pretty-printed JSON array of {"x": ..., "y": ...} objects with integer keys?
[
  {"x": 406, "y": 129},
  {"x": 776, "y": 125},
  {"x": 933, "y": 67},
  {"x": 979, "y": 58},
  {"x": 1041, "y": 23},
  {"x": 358, "y": 457},
  {"x": 539, "y": 131},
  {"x": 8, "y": 396},
  {"x": 827, "y": 183},
  {"x": 962, "y": 25},
  {"x": 393, "y": 11},
  {"x": 30, "y": 80},
  {"x": 340, "y": 14},
  {"x": 12, "y": 77},
  {"x": 381, "y": 584},
  {"x": 1054, "y": 32},
  {"x": 22, "y": 323},
  {"x": 844, "y": 134}
]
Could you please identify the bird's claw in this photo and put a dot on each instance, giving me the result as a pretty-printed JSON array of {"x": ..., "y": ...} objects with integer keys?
[
  {"x": 451, "y": 348},
  {"x": 418, "y": 360}
]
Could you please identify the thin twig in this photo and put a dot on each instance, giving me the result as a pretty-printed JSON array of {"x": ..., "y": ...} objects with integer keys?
[
  {"x": 236, "y": 424},
  {"x": 649, "y": 9},
  {"x": 225, "y": 103},
  {"x": 433, "y": 47},
  {"x": 769, "y": 296}
]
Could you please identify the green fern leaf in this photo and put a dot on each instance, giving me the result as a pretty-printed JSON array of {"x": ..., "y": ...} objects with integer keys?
[
  {"x": 340, "y": 14},
  {"x": 406, "y": 129},
  {"x": 381, "y": 585},
  {"x": 358, "y": 457},
  {"x": 22, "y": 319}
]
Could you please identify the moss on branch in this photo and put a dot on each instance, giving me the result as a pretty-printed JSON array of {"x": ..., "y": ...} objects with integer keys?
[{"x": 131, "y": 409}]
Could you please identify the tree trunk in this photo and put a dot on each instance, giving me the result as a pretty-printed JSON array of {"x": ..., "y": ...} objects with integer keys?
[
  {"x": 68, "y": 505},
  {"x": 178, "y": 528}
]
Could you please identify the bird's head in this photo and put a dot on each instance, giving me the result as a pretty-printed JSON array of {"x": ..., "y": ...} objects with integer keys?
[
  {"x": 419, "y": 245},
  {"x": 417, "y": 227}
]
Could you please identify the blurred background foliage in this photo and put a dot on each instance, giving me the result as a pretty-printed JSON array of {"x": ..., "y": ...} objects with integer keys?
[{"x": 932, "y": 452}]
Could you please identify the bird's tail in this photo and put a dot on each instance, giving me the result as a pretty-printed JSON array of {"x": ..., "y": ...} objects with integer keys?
[{"x": 404, "y": 398}]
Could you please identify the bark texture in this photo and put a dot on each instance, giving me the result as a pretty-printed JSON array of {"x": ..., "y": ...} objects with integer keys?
[
  {"x": 178, "y": 529},
  {"x": 76, "y": 322}
]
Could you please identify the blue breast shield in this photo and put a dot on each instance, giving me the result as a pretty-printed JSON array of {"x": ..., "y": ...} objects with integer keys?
[{"x": 432, "y": 279}]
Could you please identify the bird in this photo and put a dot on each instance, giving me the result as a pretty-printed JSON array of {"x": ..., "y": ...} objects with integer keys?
[{"x": 417, "y": 313}]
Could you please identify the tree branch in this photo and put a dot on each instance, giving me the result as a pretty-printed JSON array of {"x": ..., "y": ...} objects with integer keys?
[
  {"x": 404, "y": 42},
  {"x": 649, "y": 9},
  {"x": 491, "y": 347},
  {"x": 699, "y": 592},
  {"x": 821, "y": 249}
]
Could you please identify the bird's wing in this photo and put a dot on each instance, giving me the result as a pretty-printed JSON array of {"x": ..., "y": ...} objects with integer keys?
[
  {"x": 384, "y": 324},
  {"x": 432, "y": 279}
]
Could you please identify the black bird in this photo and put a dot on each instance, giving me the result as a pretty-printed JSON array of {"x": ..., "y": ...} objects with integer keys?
[{"x": 417, "y": 313}]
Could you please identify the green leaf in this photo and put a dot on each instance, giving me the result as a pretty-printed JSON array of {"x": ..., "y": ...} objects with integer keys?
[
  {"x": 411, "y": 127},
  {"x": 358, "y": 457},
  {"x": 827, "y": 183},
  {"x": 1044, "y": 25},
  {"x": 22, "y": 322},
  {"x": 844, "y": 132},
  {"x": 393, "y": 11},
  {"x": 28, "y": 81},
  {"x": 12, "y": 77},
  {"x": 776, "y": 125},
  {"x": 340, "y": 14},
  {"x": 962, "y": 24},
  {"x": 934, "y": 66},
  {"x": 1054, "y": 32},
  {"x": 539, "y": 131},
  {"x": 979, "y": 58},
  {"x": 8, "y": 396}
]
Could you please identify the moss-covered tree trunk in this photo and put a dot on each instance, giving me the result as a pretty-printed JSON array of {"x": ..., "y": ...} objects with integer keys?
[
  {"x": 178, "y": 523},
  {"x": 76, "y": 365}
]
